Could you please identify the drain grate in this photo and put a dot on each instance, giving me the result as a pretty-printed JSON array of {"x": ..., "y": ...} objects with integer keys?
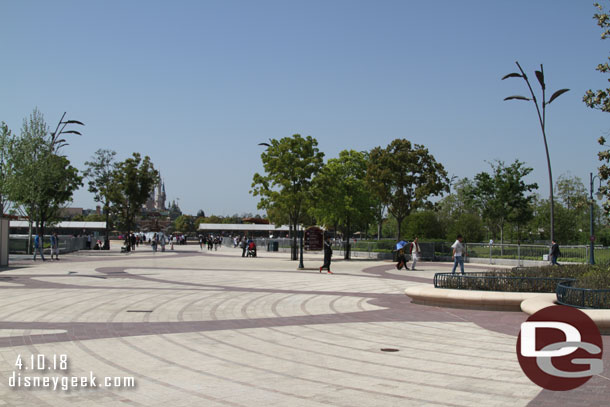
[
  {"x": 389, "y": 350},
  {"x": 139, "y": 310}
]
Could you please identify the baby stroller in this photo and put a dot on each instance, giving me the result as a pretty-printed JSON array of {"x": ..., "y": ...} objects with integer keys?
[{"x": 251, "y": 250}]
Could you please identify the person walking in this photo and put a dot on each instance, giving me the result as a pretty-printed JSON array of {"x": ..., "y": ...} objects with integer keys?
[
  {"x": 401, "y": 258},
  {"x": 244, "y": 246},
  {"x": 55, "y": 246},
  {"x": 459, "y": 252},
  {"x": 328, "y": 254},
  {"x": 554, "y": 253},
  {"x": 415, "y": 253},
  {"x": 38, "y": 247}
]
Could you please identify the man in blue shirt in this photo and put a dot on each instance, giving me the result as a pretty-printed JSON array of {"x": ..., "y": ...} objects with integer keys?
[{"x": 38, "y": 247}]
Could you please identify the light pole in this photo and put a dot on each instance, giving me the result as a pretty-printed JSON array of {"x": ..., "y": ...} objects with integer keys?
[
  {"x": 592, "y": 223},
  {"x": 58, "y": 143}
]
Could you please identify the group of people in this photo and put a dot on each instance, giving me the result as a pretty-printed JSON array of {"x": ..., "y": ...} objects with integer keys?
[
  {"x": 211, "y": 241},
  {"x": 39, "y": 246},
  {"x": 248, "y": 247}
]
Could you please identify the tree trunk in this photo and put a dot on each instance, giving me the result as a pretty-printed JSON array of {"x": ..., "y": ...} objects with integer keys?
[
  {"x": 399, "y": 228},
  {"x": 347, "y": 242}
]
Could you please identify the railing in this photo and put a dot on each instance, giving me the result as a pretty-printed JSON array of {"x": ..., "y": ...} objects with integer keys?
[
  {"x": 582, "y": 297},
  {"x": 486, "y": 282},
  {"x": 18, "y": 244},
  {"x": 494, "y": 253}
]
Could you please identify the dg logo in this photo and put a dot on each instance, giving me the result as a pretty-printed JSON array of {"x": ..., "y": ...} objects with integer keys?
[{"x": 560, "y": 348}]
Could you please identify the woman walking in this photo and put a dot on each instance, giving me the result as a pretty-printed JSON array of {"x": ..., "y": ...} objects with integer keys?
[{"x": 328, "y": 253}]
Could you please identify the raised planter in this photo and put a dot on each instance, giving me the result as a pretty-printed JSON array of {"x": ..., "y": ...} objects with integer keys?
[
  {"x": 427, "y": 294},
  {"x": 482, "y": 281},
  {"x": 582, "y": 297}
]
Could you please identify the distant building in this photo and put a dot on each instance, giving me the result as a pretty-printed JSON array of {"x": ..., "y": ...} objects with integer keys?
[
  {"x": 69, "y": 213},
  {"x": 156, "y": 199}
]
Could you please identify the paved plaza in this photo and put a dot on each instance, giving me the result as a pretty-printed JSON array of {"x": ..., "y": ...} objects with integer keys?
[{"x": 210, "y": 328}]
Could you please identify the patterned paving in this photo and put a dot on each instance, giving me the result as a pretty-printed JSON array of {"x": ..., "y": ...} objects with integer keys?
[{"x": 211, "y": 328}]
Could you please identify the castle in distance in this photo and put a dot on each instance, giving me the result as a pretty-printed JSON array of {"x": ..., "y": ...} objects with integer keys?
[{"x": 156, "y": 199}]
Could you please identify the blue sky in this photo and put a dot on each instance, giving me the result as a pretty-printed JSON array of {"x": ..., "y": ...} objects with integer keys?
[{"x": 196, "y": 85}]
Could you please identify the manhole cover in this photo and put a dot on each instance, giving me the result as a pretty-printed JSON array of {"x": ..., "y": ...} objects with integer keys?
[
  {"x": 138, "y": 310},
  {"x": 389, "y": 350}
]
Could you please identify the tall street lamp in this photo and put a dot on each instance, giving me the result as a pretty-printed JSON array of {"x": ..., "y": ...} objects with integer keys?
[
  {"x": 598, "y": 195},
  {"x": 58, "y": 143}
]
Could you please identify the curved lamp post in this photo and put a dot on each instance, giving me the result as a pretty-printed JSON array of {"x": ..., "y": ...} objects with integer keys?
[
  {"x": 56, "y": 142},
  {"x": 542, "y": 120}
]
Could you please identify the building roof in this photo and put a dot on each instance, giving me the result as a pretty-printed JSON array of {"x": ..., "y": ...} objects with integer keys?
[
  {"x": 63, "y": 225},
  {"x": 241, "y": 226}
]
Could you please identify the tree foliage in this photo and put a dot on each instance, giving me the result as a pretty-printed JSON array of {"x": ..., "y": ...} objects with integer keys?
[
  {"x": 404, "y": 176},
  {"x": 284, "y": 189},
  {"x": 42, "y": 181},
  {"x": 600, "y": 99},
  {"x": 133, "y": 181},
  {"x": 503, "y": 196},
  {"x": 100, "y": 172}
]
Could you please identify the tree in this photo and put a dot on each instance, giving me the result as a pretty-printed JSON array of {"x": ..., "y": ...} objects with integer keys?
[
  {"x": 600, "y": 99},
  {"x": 185, "y": 223},
  {"x": 43, "y": 181},
  {"x": 404, "y": 177},
  {"x": 100, "y": 171},
  {"x": 424, "y": 224},
  {"x": 289, "y": 164},
  {"x": 340, "y": 194},
  {"x": 541, "y": 110},
  {"x": 571, "y": 192},
  {"x": 6, "y": 140},
  {"x": 133, "y": 181},
  {"x": 501, "y": 196}
]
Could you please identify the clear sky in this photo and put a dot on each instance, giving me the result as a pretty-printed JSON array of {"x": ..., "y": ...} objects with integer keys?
[{"x": 196, "y": 85}]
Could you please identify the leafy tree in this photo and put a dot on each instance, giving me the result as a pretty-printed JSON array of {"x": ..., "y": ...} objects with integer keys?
[
  {"x": 284, "y": 189},
  {"x": 424, "y": 224},
  {"x": 185, "y": 223},
  {"x": 468, "y": 225},
  {"x": 43, "y": 181},
  {"x": 571, "y": 192},
  {"x": 502, "y": 196},
  {"x": 133, "y": 181},
  {"x": 6, "y": 140},
  {"x": 340, "y": 194},
  {"x": 404, "y": 176},
  {"x": 100, "y": 173},
  {"x": 199, "y": 221},
  {"x": 600, "y": 99}
]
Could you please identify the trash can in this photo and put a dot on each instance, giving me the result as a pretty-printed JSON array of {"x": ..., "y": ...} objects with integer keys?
[{"x": 273, "y": 246}]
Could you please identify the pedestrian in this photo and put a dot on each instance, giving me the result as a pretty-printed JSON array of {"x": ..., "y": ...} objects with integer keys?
[
  {"x": 38, "y": 246},
  {"x": 89, "y": 242},
  {"x": 153, "y": 243},
  {"x": 401, "y": 258},
  {"x": 415, "y": 252},
  {"x": 200, "y": 242},
  {"x": 55, "y": 246},
  {"x": 554, "y": 253},
  {"x": 171, "y": 242},
  {"x": 328, "y": 254},
  {"x": 459, "y": 251},
  {"x": 244, "y": 246},
  {"x": 162, "y": 241},
  {"x": 132, "y": 240}
]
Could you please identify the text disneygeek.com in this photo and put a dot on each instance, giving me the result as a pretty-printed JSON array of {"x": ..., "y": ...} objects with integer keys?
[{"x": 41, "y": 364}]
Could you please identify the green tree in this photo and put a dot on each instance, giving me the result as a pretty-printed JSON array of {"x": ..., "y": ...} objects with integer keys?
[
  {"x": 100, "y": 174},
  {"x": 290, "y": 165},
  {"x": 43, "y": 181},
  {"x": 600, "y": 99},
  {"x": 185, "y": 223},
  {"x": 468, "y": 225},
  {"x": 503, "y": 196},
  {"x": 6, "y": 140},
  {"x": 340, "y": 194},
  {"x": 404, "y": 177},
  {"x": 423, "y": 224},
  {"x": 133, "y": 181},
  {"x": 571, "y": 192}
]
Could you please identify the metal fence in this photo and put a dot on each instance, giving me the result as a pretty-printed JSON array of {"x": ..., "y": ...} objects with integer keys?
[
  {"x": 500, "y": 282},
  {"x": 494, "y": 253},
  {"x": 18, "y": 244},
  {"x": 582, "y": 297}
]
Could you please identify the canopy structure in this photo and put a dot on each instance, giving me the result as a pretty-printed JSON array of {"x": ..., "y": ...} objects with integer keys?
[{"x": 240, "y": 227}]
